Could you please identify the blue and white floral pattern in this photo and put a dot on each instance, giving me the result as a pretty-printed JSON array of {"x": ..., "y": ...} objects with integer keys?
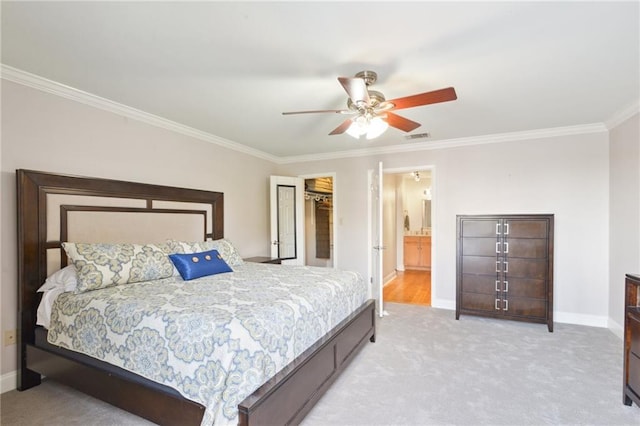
[
  {"x": 103, "y": 265},
  {"x": 225, "y": 247},
  {"x": 215, "y": 339}
]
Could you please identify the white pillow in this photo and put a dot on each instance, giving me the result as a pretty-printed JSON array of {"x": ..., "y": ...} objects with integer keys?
[{"x": 66, "y": 278}]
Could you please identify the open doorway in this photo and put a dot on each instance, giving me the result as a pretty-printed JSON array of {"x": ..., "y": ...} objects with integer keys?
[
  {"x": 319, "y": 216},
  {"x": 407, "y": 229}
]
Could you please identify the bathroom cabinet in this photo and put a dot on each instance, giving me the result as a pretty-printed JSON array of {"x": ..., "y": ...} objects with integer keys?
[{"x": 417, "y": 252}]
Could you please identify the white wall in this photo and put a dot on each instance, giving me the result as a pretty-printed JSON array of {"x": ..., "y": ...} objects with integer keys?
[
  {"x": 566, "y": 176},
  {"x": 41, "y": 131},
  {"x": 624, "y": 225}
]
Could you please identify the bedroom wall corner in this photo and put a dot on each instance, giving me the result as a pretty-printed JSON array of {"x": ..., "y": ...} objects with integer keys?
[
  {"x": 624, "y": 214},
  {"x": 8, "y": 381}
]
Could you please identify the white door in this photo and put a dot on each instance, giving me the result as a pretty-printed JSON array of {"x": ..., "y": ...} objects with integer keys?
[
  {"x": 287, "y": 219},
  {"x": 375, "y": 237}
]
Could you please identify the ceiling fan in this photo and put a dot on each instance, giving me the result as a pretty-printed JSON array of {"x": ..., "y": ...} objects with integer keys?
[{"x": 372, "y": 112}]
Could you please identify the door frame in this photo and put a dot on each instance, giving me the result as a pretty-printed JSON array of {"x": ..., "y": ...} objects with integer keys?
[
  {"x": 434, "y": 229},
  {"x": 374, "y": 181}
]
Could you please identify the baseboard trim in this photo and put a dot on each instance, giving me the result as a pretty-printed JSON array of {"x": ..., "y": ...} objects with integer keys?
[
  {"x": 389, "y": 278},
  {"x": 8, "y": 381},
  {"x": 581, "y": 319},
  {"x": 616, "y": 328},
  {"x": 443, "y": 304},
  {"x": 559, "y": 317}
]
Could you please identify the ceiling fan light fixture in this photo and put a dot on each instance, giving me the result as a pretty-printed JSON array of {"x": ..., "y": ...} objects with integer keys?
[
  {"x": 377, "y": 126},
  {"x": 372, "y": 127},
  {"x": 359, "y": 126}
]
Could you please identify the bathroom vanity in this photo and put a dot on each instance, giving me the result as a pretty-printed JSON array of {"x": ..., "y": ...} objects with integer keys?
[{"x": 417, "y": 252}]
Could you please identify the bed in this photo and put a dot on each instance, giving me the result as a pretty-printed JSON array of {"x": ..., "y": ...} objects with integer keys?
[{"x": 54, "y": 208}]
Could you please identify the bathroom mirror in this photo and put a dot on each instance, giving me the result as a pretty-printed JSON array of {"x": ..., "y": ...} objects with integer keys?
[
  {"x": 286, "y": 222},
  {"x": 426, "y": 214}
]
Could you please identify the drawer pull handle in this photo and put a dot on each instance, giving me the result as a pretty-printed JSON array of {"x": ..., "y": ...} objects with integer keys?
[
  {"x": 496, "y": 305},
  {"x": 506, "y": 305},
  {"x": 497, "y": 285},
  {"x": 506, "y": 247},
  {"x": 497, "y": 229},
  {"x": 497, "y": 266},
  {"x": 506, "y": 286},
  {"x": 506, "y": 267},
  {"x": 506, "y": 229}
]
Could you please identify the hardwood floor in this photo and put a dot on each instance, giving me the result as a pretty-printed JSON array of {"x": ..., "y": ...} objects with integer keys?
[{"x": 413, "y": 287}]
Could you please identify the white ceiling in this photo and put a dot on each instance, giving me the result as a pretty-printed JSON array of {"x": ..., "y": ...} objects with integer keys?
[{"x": 230, "y": 68}]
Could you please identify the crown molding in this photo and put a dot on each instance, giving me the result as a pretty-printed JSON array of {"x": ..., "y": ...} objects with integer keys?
[
  {"x": 623, "y": 115},
  {"x": 40, "y": 83},
  {"x": 452, "y": 143}
]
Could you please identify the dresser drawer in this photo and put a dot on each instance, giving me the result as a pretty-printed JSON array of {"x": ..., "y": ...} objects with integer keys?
[
  {"x": 527, "y": 228},
  {"x": 533, "y": 248},
  {"x": 479, "y": 302},
  {"x": 480, "y": 247},
  {"x": 527, "y": 287},
  {"x": 634, "y": 373},
  {"x": 525, "y": 307},
  {"x": 485, "y": 284},
  {"x": 479, "y": 265},
  {"x": 479, "y": 228},
  {"x": 527, "y": 268},
  {"x": 635, "y": 336}
]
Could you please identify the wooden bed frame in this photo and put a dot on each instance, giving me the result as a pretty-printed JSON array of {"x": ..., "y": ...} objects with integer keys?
[{"x": 285, "y": 399}]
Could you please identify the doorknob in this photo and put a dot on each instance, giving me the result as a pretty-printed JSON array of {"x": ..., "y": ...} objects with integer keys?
[{"x": 276, "y": 243}]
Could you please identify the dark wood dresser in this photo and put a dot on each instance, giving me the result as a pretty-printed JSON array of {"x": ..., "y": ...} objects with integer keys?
[
  {"x": 631, "y": 389},
  {"x": 505, "y": 267}
]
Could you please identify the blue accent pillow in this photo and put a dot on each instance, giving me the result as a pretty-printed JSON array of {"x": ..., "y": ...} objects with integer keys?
[{"x": 196, "y": 265}]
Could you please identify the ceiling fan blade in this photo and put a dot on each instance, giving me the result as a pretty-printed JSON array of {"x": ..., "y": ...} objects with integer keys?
[
  {"x": 336, "y": 111},
  {"x": 404, "y": 124},
  {"x": 356, "y": 88},
  {"x": 442, "y": 95},
  {"x": 341, "y": 128}
]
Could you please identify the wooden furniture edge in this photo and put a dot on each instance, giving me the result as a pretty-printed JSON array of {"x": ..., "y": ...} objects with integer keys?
[
  {"x": 156, "y": 406},
  {"x": 309, "y": 376},
  {"x": 631, "y": 286}
]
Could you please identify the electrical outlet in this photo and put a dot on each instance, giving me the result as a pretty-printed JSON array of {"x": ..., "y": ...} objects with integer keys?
[{"x": 9, "y": 337}]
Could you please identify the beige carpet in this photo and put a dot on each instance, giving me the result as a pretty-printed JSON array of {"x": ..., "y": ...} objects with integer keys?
[{"x": 426, "y": 368}]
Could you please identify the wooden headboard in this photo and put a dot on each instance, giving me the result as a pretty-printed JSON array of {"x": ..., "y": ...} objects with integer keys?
[{"x": 55, "y": 208}]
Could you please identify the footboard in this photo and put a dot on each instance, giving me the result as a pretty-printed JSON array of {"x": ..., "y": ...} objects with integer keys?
[{"x": 290, "y": 394}]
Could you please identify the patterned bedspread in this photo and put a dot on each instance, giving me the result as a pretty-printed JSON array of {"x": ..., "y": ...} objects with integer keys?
[{"x": 215, "y": 339}]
